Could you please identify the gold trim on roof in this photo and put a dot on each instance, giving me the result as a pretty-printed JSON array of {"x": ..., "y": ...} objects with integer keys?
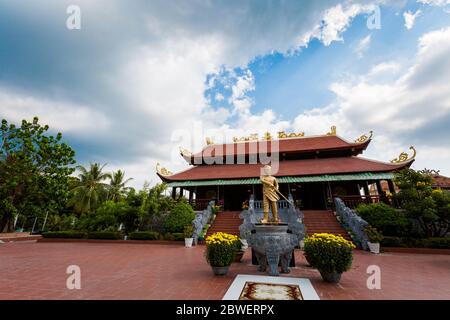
[
  {"x": 252, "y": 137},
  {"x": 163, "y": 171},
  {"x": 364, "y": 137},
  {"x": 404, "y": 157},
  {"x": 282, "y": 135},
  {"x": 267, "y": 136},
  {"x": 209, "y": 141},
  {"x": 332, "y": 131},
  {"x": 185, "y": 152}
]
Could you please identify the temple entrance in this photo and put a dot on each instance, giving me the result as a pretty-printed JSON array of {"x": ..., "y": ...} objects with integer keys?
[
  {"x": 312, "y": 196},
  {"x": 234, "y": 196}
]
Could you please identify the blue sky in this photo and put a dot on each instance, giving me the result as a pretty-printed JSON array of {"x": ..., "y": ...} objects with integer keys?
[{"x": 140, "y": 79}]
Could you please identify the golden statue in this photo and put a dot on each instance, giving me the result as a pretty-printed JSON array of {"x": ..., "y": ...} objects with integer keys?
[{"x": 270, "y": 195}]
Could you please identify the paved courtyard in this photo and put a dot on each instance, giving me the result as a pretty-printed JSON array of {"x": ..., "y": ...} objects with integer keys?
[{"x": 30, "y": 270}]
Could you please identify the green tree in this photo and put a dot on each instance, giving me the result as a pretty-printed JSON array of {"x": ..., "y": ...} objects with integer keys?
[
  {"x": 34, "y": 171},
  {"x": 430, "y": 208},
  {"x": 90, "y": 190},
  {"x": 117, "y": 184}
]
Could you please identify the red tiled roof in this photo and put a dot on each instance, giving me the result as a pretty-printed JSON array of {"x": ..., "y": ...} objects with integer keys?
[
  {"x": 441, "y": 181},
  {"x": 290, "y": 145},
  {"x": 304, "y": 167}
]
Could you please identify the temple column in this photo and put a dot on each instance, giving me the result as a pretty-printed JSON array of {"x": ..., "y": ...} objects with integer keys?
[
  {"x": 174, "y": 192},
  {"x": 181, "y": 192},
  {"x": 391, "y": 186},
  {"x": 379, "y": 188},
  {"x": 190, "y": 195},
  {"x": 366, "y": 188}
]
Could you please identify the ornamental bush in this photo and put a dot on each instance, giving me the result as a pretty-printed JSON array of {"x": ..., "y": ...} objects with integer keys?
[
  {"x": 180, "y": 216},
  {"x": 388, "y": 220},
  {"x": 144, "y": 235},
  {"x": 65, "y": 234},
  {"x": 106, "y": 235},
  {"x": 329, "y": 253},
  {"x": 220, "y": 249}
]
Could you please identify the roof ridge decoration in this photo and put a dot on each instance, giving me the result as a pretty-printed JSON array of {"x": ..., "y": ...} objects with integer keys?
[
  {"x": 163, "y": 171},
  {"x": 251, "y": 137},
  {"x": 404, "y": 157},
  {"x": 332, "y": 131},
  {"x": 283, "y": 135},
  {"x": 364, "y": 137}
]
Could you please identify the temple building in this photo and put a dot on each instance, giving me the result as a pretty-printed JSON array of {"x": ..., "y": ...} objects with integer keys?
[{"x": 310, "y": 169}]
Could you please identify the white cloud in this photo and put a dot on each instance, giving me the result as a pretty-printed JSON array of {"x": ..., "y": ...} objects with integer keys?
[
  {"x": 363, "y": 45},
  {"x": 383, "y": 68},
  {"x": 410, "y": 18},
  {"x": 60, "y": 115},
  {"x": 439, "y": 3}
]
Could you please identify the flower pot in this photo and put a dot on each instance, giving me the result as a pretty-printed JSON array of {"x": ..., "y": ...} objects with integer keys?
[
  {"x": 238, "y": 256},
  {"x": 332, "y": 277},
  {"x": 188, "y": 242},
  {"x": 220, "y": 271},
  {"x": 374, "y": 247}
]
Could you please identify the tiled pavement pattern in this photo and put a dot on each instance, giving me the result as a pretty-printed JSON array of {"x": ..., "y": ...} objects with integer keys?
[{"x": 30, "y": 270}]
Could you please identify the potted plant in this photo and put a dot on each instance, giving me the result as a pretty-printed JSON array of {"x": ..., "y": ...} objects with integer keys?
[
  {"x": 239, "y": 252},
  {"x": 188, "y": 230},
  {"x": 330, "y": 254},
  {"x": 374, "y": 237},
  {"x": 220, "y": 251}
]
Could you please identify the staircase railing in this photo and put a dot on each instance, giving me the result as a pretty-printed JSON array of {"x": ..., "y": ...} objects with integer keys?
[
  {"x": 201, "y": 219},
  {"x": 353, "y": 222}
]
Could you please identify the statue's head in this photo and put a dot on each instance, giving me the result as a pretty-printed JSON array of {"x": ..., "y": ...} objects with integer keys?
[{"x": 266, "y": 170}]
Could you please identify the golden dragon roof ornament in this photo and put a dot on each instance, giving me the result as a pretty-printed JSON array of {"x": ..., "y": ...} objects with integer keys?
[
  {"x": 364, "y": 137},
  {"x": 162, "y": 171},
  {"x": 209, "y": 141},
  {"x": 282, "y": 135},
  {"x": 185, "y": 152},
  {"x": 404, "y": 157},
  {"x": 332, "y": 131}
]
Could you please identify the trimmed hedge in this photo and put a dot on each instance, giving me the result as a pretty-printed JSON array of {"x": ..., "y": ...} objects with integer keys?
[
  {"x": 178, "y": 236},
  {"x": 106, "y": 235},
  {"x": 144, "y": 235},
  {"x": 64, "y": 234},
  {"x": 435, "y": 243}
]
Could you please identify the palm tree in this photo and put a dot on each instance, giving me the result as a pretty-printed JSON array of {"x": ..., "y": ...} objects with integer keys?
[
  {"x": 90, "y": 189},
  {"x": 117, "y": 185}
]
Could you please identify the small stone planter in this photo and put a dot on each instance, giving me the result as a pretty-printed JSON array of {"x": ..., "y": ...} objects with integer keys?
[
  {"x": 188, "y": 242},
  {"x": 333, "y": 277},
  {"x": 374, "y": 247},
  {"x": 220, "y": 271}
]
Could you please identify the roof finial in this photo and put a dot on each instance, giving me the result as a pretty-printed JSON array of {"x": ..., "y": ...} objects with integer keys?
[
  {"x": 209, "y": 141},
  {"x": 364, "y": 137},
  {"x": 403, "y": 157},
  {"x": 162, "y": 171},
  {"x": 332, "y": 131}
]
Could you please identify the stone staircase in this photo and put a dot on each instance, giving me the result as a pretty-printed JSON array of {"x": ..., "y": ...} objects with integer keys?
[
  {"x": 226, "y": 221},
  {"x": 320, "y": 221}
]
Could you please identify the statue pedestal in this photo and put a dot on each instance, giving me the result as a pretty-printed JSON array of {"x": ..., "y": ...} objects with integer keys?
[{"x": 273, "y": 245}]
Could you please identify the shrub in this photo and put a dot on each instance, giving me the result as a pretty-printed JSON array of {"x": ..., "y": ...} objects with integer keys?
[
  {"x": 220, "y": 249},
  {"x": 105, "y": 235},
  {"x": 188, "y": 230},
  {"x": 373, "y": 234},
  {"x": 168, "y": 236},
  {"x": 181, "y": 215},
  {"x": 388, "y": 220},
  {"x": 329, "y": 253},
  {"x": 434, "y": 243},
  {"x": 64, "y": 234},
  {"x": 439, "y": 243},
  {"x": 144, "y": 235},
  {"x": 178, "y": 236}
]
